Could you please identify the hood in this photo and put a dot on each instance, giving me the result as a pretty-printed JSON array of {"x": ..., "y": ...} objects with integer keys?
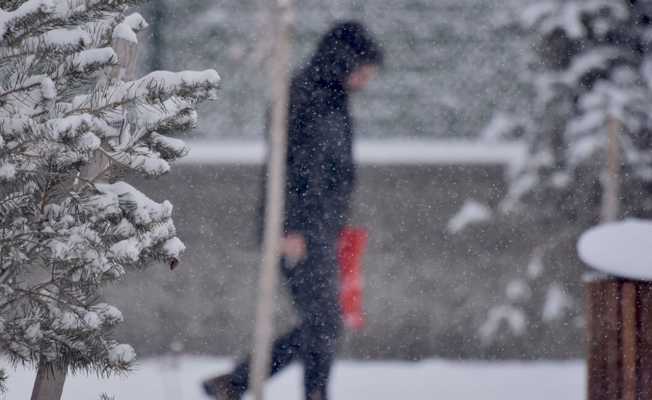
[{"x": 343, "y": 48}]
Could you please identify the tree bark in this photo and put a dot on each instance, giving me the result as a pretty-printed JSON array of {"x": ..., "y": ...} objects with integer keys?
[
  {"x": 49, "y": 383},
  {"x": 619, "y": 339}
]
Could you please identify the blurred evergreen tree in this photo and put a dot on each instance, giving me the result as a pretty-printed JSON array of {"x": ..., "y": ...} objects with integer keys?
[
  {"x": 590, "y": 67},
  {"x": 68, "y": 227}
]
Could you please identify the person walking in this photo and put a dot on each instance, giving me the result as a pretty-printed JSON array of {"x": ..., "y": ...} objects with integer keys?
[{"x": 319, "y": 184}]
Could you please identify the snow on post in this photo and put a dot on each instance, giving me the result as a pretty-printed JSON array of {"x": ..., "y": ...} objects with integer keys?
[
  {"x": 621, "y": 249},
  {"x": 69, "y": 123}
]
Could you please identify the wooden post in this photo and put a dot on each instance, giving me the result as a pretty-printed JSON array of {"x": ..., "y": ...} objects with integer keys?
[
  {"x": 619, "y": 339},
  {"x": 602, "y": 327},
  {"x": 629, "y": 339},
  {"x": 644, "y": 355},
  {"x": 280, "y": 76},
  {"x": 50, "y": 379}
]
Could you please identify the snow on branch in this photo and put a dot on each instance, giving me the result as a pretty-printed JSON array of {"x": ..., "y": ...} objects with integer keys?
[
  {"x": 64, "y": 41},
  {"x": 139, "y": 208},
  {"x": 34, "y": 16},
  {"x": 23, "y": 15},
  {"x": 156, "y": 86},
  {"x": 169, "y": 148},
  {"x": 173, "y": 114},
  {"x": 140, "y": 158},
  {"x": 68, "y": 127},
  {"x": 570, "y": 17},
  {"x": 75, "y": 125},
  {"x": 84, "y": 62},
  {"x": 136, "y": 22}
]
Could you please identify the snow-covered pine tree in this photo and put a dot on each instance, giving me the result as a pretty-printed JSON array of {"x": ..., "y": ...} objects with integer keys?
[
  {"x": 592, "y": 64},
  {"x": 68, "y": 227},
  {"x": 591, "y": 68}
]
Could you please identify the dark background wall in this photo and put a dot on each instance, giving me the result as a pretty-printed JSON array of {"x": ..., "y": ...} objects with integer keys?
[
  {"x": 450, "y": 65},
  {"x": 428, "y": 292}
]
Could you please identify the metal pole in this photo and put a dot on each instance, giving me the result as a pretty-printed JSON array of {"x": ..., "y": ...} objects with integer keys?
[{"x": 280, "y": 76}]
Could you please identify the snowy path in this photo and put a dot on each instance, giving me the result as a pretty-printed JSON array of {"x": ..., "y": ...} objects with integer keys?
[{"x": 160, "y": 379}]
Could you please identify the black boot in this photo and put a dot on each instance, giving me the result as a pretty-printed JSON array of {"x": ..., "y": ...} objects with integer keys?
[{"x": 222, "y": 388}]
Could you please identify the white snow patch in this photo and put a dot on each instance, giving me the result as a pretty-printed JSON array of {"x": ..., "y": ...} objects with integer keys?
[
  {"x": 92, "y": 320},
  {"x": 622, "y": 249},
  {"x": 136, "y": 22},
  {"x": 518, "y": 290},
  {"x": 176, "y": 146},
  {"x": 123, "y": 31},
  {"x": 87, "y": 58},
  {"x": 122, "y": 354},
  {"x": 109, "y": 314},
  {"x": 556, "y": 304},
  {"x": 180, "y": 377},
  {"x": 504, "y": 315},
  {"x": 32, "y": 7},
  {"x": 66, "y": 37},
  {"x": 500, "y": 127},
  {"x": 173, "y": 247},
  {"x": 7, "y": 171},
  {"x": 142, "y": 209},
  {"x": 374, "y": 152},
  {"x": 472, "y": 212},
  {"x": 34, "y": 332},
  {"x": 128, "y": 249},
  {"x": 88, "y": 142},
  {"x": 48, "y": 89},
  {"x": 125, "y": 229},
  {"x": 535, "y": 267},
  {"x": 561, "y": 180}
]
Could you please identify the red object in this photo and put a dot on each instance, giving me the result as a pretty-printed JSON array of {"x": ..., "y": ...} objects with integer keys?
[{"x": 352, "y": 246}]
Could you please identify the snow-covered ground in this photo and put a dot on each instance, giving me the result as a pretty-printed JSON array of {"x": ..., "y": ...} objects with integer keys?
[{"x": 178, "y": 379}]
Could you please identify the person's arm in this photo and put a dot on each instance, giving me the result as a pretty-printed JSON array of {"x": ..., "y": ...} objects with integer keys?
[
  {"x": 307, "y": 142},
  {"x": 303, "y": 194},
  {"x": 304, "y": 186}
]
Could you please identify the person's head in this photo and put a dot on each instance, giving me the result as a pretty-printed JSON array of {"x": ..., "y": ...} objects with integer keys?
[{"x": 347, "y": 56}]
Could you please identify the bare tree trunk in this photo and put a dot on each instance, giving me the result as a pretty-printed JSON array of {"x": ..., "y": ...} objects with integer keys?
[
  {"x": 50, "y": 379},
  {"x": 280, "y": 76},
  {"x": 159, "y": 14},
  {"x": 49, "y": 383},
  {"x": 611, "y": 187},
  {"x": 612, "y": 307}
]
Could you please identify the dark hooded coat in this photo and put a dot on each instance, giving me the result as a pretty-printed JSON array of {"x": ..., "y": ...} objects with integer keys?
[{"x": 320, "y": 166}]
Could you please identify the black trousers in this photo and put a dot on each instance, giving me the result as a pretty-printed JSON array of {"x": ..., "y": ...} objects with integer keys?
[{"x": 313, "y": 285}]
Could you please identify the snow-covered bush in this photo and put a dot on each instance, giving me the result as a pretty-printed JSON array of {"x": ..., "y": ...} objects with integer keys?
[{"x": 69, "y": 124}]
